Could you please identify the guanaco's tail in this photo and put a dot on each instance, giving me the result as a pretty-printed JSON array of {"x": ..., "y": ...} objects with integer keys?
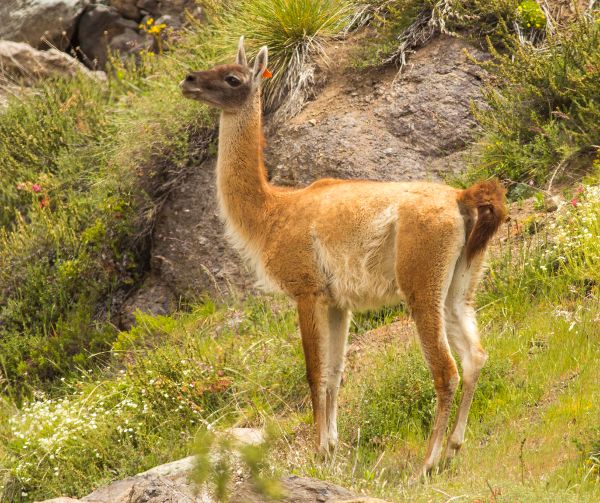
[{"x": 488, "y": 197}]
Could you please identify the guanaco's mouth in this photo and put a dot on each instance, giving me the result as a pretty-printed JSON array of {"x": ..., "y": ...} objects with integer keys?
[{"x": 197, "y": 94}]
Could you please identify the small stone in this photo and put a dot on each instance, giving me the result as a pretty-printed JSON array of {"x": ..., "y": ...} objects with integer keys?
[{"x": 552, "y": 204}]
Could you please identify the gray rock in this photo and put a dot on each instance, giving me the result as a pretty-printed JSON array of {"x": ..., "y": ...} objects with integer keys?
[
  {"x": 127, "y": 8},
  {"x": 153, "y": 297},
  {"x": 158, "y": 8},
  {"x": 201, "y": 260},
  {"x": 22, "y": 63},
  {"x": 101, "y": 30},
  {"x": 298, "y": 490},
  {"x": 41, "y": 23},
  {"x": 410, "y": 129}
]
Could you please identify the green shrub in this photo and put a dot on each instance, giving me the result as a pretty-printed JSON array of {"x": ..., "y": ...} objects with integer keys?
[
  {"x": 38, "y": 136},
  {"x": 213, "y": 366},
  {"x": 75, "y": 212},
  {"x": 560, "y": 261},
  {"x": 542, "y": 117},
  {"x": 531, "y": 15},
  {"x": 388, "y": 21}
]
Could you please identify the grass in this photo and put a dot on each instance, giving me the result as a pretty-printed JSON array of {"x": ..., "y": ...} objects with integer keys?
[
  {"x": 217, "y": 368},
  {"x": 295, "y": 32},
  {"x": 79, "y": 201}
]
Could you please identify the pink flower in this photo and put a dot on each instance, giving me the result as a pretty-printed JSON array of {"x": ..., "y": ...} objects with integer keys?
[
  {"x": 574, "y": 202},
  {"x": 36, "y": 188},
  {"x": 44, "y": 202}
]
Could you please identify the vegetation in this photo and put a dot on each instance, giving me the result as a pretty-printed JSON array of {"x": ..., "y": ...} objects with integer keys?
[
  {"x": 85, "y": 169},
  {"x": 295, "y": 33},
  {"x": 542, "y": 116}
]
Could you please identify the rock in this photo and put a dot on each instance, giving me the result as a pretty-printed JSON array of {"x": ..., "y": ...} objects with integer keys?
[
  {"x": 101, "y": 30},
  {"x": 169, "y": 483},
  {"x": 174, "y": 469},
  {"x": 172, "y": 21},
  {"x": 552, "y": 203},
  {"x": 127, "y": 8},
  {"x": 201, "y": 260},
  {"x": 21, "y": 62},
  {"x": 41, "y": 23},
  {"x": 157, "y": 8},
  {"x": 153, "y": 297},
  {"x": 7, "y": 91},
  {"x": 412, "y": 128},
  {"x": 148, "y": 489},
  {"x": 297, "y": 490}
]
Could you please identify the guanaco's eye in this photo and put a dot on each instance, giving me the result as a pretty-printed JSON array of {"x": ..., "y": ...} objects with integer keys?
[{"x": 232, "y": 81}]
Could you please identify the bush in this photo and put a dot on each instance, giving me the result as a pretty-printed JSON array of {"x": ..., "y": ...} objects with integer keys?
[
  {"x": 213, "y": 366},
  {"x": 65, "y": 230},
  {"x": 392, "y": 399},
  {"x": 561, "y": 260},
  {"x": 543, "y": 119}
]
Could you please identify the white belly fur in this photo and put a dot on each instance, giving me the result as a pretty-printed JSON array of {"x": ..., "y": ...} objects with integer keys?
[{"x": 360, "y": 270}]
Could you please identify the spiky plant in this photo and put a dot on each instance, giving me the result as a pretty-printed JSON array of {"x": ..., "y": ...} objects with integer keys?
[{"x": 295, "y": 32}]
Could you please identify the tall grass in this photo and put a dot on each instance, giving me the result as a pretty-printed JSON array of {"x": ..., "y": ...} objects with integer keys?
[{"x": 295, "y": 31}]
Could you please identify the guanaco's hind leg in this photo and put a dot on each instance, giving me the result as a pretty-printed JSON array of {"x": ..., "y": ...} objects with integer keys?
[
  {"x": 313, "y": 318},
  {"x": 424, "y": 278},
  {"x": 463, "y": 336},
  {"x": 430, "y": 326},
  {"x": 339, "y": 323}
]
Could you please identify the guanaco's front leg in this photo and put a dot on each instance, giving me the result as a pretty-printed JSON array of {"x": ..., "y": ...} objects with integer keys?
[{"x": 312, "y": 314}]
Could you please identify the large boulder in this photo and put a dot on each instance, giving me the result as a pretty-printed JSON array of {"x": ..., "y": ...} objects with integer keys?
[
  {"x": 41, "y": 23},
  {"x": 169, "y": 483},
  {"x": 102, "y": 30},
  {"x": 382, "y": 126},
  {"x": 19, "y": 62}
]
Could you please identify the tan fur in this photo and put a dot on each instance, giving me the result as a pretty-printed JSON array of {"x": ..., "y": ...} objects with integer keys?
[{"x": 337, "y": 246}]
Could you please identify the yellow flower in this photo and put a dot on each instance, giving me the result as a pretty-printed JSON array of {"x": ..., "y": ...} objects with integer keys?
[{"x": 150, "y": 21}]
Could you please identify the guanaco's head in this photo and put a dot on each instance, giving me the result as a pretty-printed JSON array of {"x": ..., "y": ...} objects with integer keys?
[{"x": 227, "y": 87}]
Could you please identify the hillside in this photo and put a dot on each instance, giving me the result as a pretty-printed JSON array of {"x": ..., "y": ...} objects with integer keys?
[{"x": 131, "y": 333}]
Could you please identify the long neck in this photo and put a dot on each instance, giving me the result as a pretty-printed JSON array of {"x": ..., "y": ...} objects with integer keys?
[{"x": 242, "y": 184}]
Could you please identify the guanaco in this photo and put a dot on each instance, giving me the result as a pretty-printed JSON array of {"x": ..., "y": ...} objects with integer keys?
[{"x": 339, "y": 246}]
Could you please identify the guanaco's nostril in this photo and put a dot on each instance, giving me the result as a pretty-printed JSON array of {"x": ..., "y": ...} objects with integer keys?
[{"x": 189, "y": 78}]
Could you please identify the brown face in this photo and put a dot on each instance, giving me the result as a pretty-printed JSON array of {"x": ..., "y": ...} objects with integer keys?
[{"x": 226, "y": 86}]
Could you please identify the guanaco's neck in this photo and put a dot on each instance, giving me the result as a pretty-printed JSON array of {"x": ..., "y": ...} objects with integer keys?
[{"x": 242, "y": 184}]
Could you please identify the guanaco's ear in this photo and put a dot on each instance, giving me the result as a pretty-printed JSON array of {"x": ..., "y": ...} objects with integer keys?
[
  {"x": 260, "y": 63},
  {"x": 241, "y": 54}
]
